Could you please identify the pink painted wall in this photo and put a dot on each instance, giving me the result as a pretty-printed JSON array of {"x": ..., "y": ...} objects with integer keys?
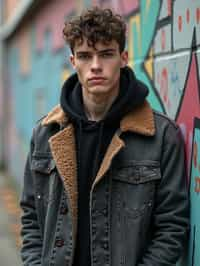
[
  {"x": 124, "y": 7},
  {"x": 51, "y": 18},
  {"x": 9, "y": 7}
]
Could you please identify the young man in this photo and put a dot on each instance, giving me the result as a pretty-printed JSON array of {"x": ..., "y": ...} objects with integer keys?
[{"x": 104, "y": 180}]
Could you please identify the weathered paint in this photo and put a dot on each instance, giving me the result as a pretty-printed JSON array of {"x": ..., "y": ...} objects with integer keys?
[
  {"x": 51, "y": 19},
  {"x": 124, "y": 7},
  {"x": 141, "y": 32},
  {"x": 194, "y": 254},
  {"x": 9, "y": 7}
]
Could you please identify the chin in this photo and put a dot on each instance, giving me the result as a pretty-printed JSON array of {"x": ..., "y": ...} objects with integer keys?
[{"x": 98, "y": 90}]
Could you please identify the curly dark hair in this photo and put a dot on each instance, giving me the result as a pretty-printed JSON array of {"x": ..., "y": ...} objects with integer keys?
[{"x": 96, "y": 25}]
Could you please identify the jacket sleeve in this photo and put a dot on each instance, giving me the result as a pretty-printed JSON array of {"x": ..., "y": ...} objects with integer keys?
[
  {"x": 171, "y": 212},
  {"x": 30, "y": 232}
]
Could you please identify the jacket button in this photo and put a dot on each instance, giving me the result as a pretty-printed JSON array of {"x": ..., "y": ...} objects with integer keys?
[
  {"x": 59, "y": 243},
  {"x": 105, "y": 245},
  {"x": 63, "y": 210},
  {"x": 105, "y": 211}
]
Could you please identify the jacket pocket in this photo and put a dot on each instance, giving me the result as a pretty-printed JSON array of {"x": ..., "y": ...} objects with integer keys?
[
  {"x": 138, "y": 172},
  {"x": 134, "y": 187},
  {"x": 43, "y": 165},
  {"x": 45, "y": 173}
]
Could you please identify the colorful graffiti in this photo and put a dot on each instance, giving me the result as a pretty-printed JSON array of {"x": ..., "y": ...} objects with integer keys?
[
  {"x": 194, "y": 255},
  {"x": 164, "y": 51},
  {"x": 169, "y": 63}
]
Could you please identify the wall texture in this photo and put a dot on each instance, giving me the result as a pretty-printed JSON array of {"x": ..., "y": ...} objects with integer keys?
[
  {"x": 9, "y": 7},
  {"x": 164, "y": 51}
]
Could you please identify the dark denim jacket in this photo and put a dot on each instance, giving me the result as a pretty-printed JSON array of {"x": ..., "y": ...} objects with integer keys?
[{"x": 138, "y": 201}]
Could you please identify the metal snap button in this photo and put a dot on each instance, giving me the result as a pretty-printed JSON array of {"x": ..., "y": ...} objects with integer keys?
[
  {"x": 105, "y": 245},
  {"x": 105, "y": 211},
  {"x": 63, "y": 210},
  {"x": 59, "y": 243}
]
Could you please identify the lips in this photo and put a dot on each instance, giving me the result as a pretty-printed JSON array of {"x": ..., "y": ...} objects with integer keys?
[{"x": 96, "y": 78}]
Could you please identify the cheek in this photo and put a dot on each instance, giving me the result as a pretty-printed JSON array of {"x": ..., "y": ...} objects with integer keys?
[
  {"x": 79, "y": 71},
  {"x": 115, "y": 73},
  {"x": 81, "y": 75},
  {"x": 116, "y": 67}
]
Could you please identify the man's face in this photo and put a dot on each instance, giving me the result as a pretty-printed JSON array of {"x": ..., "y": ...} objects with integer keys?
[{"x": 98, "y": 68}]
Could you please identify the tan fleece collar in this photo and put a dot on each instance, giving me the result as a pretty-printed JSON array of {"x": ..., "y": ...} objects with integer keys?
[{"x": 140, "y": 120}]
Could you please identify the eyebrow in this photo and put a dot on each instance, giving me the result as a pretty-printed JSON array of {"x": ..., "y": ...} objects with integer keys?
[{"x": 99, "y": 52}]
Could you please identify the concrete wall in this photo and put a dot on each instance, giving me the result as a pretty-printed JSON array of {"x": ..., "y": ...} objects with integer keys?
[{"x": 164, "y": 51}]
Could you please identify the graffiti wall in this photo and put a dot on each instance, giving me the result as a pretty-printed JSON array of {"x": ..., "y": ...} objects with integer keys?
[
  {"x": 164, "y": 51},
  {"x": 164, "y": 48},
  {"x": 194, "y": 255}
]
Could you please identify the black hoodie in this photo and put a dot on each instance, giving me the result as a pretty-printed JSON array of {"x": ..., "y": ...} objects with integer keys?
[{"x": 92, "y": 140}]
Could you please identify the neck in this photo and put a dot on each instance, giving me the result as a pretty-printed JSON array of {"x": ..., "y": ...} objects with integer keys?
[{"x": 97, "y": 105}]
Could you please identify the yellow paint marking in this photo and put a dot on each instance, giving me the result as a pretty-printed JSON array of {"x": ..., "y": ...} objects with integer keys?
[
  {"x": 148, "y": 3},
  {"x": 64, "y": 75},
  {"x": 135, "y": 21},
  {"x": 148, "y": 64}
]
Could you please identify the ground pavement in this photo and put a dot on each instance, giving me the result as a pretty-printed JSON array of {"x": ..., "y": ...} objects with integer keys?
[{"x": 9, "y": 224}]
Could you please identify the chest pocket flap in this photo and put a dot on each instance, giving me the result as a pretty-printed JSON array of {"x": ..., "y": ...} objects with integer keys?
[
  {"x": 138, "y": 172},
  {"x": 43, "y": 164}
]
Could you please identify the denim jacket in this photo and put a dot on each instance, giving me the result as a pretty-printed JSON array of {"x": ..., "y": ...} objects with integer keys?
[{"x": 138, "y": 201}]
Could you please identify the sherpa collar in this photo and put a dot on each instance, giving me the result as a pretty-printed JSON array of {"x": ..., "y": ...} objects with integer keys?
[{"x": 140, "y": 120}]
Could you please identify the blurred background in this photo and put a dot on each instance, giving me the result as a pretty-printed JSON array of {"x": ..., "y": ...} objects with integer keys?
[{"x": 164, "y": 51}]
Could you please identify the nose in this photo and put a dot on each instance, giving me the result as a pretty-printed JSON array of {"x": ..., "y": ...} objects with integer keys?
[{"x": 96, "y": 64}]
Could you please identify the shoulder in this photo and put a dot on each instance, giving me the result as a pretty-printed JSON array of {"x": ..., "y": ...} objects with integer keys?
[
  {"x": 42, "y": 133},
  {"x": 164, "y": 122},
  {"x": 164, "y": 119},
  {"x": 167, "y": 128}
]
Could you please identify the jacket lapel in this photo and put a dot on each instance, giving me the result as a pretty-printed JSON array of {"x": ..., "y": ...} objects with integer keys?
[
  {"x": 63, "y": 150},
  {"x": 115, "y": 146}
]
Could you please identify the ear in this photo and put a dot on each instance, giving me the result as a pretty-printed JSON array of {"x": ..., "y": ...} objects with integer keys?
[
  {"x": 124, "y": 58},
  {"x": 72, "y": 60}
]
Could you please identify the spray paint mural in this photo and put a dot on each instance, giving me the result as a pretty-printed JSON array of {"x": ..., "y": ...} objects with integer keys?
[
  {"x": 194, "y": 255},
  {"x": 164, "y": 51}
]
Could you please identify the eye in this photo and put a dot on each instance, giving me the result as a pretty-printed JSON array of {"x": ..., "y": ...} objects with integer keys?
[
  {"x": 84, "y": 56},
  {"x": 107, "y": 55}
]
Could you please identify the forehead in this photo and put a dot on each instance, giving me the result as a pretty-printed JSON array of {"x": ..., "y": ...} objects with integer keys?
[{"x": 99, "y": 46}]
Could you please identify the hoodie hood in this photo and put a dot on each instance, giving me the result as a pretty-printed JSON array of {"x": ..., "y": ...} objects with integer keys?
[{"x": 132, "y": 93}]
